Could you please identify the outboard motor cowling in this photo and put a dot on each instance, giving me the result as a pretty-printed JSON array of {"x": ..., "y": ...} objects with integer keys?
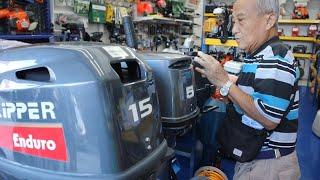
[
  {"x": 176, "y": 88},
  {"x": 78, "y": 112}
]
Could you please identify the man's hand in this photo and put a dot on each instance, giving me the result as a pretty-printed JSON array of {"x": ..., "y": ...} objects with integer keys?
[{"x": 212, "y": 69}]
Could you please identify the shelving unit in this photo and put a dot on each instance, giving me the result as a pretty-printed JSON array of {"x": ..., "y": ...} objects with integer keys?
[
  {"x": 301, "y": 22},
  {"x": 291, "y": 38},
  {"x": 217, "y": 42},
  {"x": 159, "y": 19},
  {"x": 210, "y": 15},
  {"x": 305, "y": 59},
  {"x": 27, "y": 37},
  {"x": 172, "y": 31},
  {"x": 298, "y": 21},
  {"x": 305, "y": 56}
]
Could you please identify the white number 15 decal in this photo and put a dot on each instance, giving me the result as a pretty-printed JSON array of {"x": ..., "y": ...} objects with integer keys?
[{"x": 145, "y": 108}]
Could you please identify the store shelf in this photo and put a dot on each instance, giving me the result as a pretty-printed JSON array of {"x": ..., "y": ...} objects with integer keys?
[
  {"x": 183, "y": 21},
  {"x": 26, "y": 37},
  {"x": 291, "y": 38},
  {"x": 217, "y": 42},
  {"x": 184, "y": 36},
  {"x": 305, "y": 56},
  {"x": 298, "y": 21},
  {"x": 161, "y": 19},
  {"x": 210, "y": 15}
]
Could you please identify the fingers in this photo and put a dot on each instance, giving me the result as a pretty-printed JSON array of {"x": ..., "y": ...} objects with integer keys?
[
  {"x": 201, "y": 71},
  {"x": 206, "y": 57},
  {"x": 203, "y": 63}
]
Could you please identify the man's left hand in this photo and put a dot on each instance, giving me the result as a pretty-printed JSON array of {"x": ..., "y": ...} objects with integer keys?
[{"x": 212, "y": 69}]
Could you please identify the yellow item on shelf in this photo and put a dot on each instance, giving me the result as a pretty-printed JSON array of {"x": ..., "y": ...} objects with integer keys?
[
  {"x": 298, "y": 21},
  {"x": 209, "y": 24},
  {"x": 217, "y": 42},
  {"x": 109, "y": 13},
  {"x": 305, "y": 56},
  {"x": 298, "y": 38},
  {"x": 210, "y": 15}
]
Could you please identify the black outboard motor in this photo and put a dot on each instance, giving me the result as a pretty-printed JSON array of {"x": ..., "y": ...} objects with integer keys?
[{"x": 175, "y": 85}]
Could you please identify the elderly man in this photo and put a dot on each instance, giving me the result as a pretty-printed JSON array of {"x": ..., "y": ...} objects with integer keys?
[{"x": 262, "y": 92}]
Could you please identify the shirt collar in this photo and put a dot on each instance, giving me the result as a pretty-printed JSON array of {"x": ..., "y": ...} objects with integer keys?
[{"x": 262, "y": 47}]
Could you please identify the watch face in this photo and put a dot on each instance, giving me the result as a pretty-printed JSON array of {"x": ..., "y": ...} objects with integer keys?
[{"x": 223, "y": 91}]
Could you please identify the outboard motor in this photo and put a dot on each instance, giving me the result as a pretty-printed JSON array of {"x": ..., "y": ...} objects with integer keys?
[
  {"x": 176, "y": 92},
  {"x": 204, "y": 90},
  {"x": 78, "y": 112}
]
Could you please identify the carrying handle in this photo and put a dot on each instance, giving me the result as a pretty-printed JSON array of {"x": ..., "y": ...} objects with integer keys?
[{"x": 40, "y": 74}]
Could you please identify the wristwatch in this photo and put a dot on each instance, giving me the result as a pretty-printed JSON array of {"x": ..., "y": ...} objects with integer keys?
[{"x": 224, "y": 90}]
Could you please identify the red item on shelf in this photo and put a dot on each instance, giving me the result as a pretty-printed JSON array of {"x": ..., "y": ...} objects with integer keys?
[
  {"x": 280, "y": 32},
  {"x": 295, "y": 31},
  {"x": 312, "y": 31},
  {"x": 144, "y": 7},
  {"x": 16, "y": 16}
]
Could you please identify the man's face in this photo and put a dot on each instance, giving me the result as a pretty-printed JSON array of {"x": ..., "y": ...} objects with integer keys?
[{"x": 249, "y": 27}]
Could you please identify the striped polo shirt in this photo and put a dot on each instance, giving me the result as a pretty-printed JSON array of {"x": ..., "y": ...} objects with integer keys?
[{"x": 269, "y": 76}]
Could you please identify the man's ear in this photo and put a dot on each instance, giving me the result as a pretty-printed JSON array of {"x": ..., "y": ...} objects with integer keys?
[{"x": 271, "y": 20}]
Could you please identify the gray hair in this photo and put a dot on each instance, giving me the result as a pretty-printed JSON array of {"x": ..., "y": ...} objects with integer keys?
[{"x": 268, "y": 6}]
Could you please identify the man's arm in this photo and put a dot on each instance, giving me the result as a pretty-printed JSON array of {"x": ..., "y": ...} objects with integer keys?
[
  {"x": 246, "y": 103},
  {"x": 215, "y": 73}
]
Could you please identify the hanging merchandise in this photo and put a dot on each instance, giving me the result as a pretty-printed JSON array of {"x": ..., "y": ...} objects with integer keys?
[
  {"x": 163, "y": 8},
  {"x": 144, "y": 8},
  {"x": 109, "y": 13},
  {"x": 62, "y": 3},
  {"x": 177, "y": 7},
  {"x": 210, "y": 25},
  {"x": 20, "y": 16},
  {"x": 125, "y": 11},
  {"x": 161, "y": 3},
  {"x": 97, "y": 13},
  {"x": 81, "y": 7},
  {"x": 120, "y": 12},
  {"x": 17, "y": 19},
  {"x": 115, "y": 28},
  {"x": 192, "y": 4}
]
